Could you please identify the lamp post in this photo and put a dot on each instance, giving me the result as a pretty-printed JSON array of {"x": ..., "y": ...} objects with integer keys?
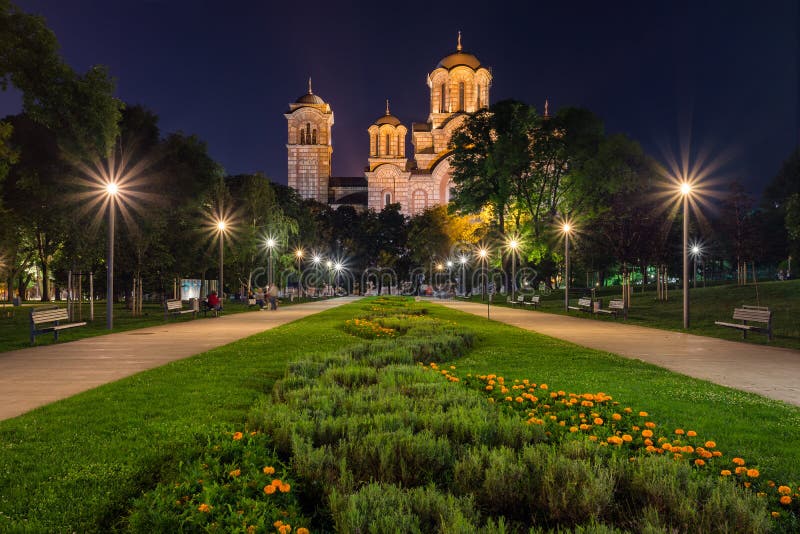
[
  {"x": 299, "y": 253},
  {"x": 513, "y": 245},
  {"x": 686, "y": 190},
  {"x": 566, "y": 229},
  {"x": 221, "y": 225},
  {"x": 483, "y": 254},
  {"x": 329, "y": 265},
  {"x": 316, "y": 260},
  {"x": 338, "y": 268},
  {"x": 111, "y": 190},
  {"x": 696, "y": 251},
  {"x": 463, "y": 261},
  {"x": 270, "y": 245}
]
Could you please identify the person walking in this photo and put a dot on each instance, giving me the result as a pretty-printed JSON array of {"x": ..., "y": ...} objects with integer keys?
[{"x": 273, "y": 297}]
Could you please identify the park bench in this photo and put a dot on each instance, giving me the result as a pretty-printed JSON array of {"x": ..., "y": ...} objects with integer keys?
[
  {"x": 584, "y": 305},
  {"x": 615, "y": 307},
  {"x": 519, "y": 300},
  {"x": 175, "y": 307},
  {"x": 52, "y": 316},
  {"x": 751, "y": 314},
  {"x": 534, "y": 301}
]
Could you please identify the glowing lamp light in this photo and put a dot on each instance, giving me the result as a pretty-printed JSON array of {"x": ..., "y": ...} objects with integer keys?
[
  {"x": 338, "y": 266},
  {"x": 299, "y": 253},
  {"x": 270, "y": 242},
  {"x": 567, "y": 228},
  {"x": 316, "y": 259},
  {"x": 514, "y": 244},
  {"x": 686, "y": 188},
  {"x": 329, "y": 264},
  {"x": 221, "y": 226},
  {"x": 695, "y": 250},
  {"x": 483, "y": 253},
  {"x": 449, "y": 264},
  {"x": 463, "y": 260},
  {"x": 112, "y": 188}
]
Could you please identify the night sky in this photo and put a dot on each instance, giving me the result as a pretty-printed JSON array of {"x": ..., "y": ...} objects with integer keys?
[{"x": 724, "y": 71}]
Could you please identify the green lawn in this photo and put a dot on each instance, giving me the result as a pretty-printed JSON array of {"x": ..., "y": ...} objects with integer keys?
[
  {"x": 706, "y": 305},
  {"x": 15, "y": 321},
  {"x": 76, "y": 465}
]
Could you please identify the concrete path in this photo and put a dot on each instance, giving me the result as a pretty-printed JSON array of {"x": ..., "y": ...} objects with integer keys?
[
  {"x": 770, "y": 371},
  {"x": 33, "y": 377}
]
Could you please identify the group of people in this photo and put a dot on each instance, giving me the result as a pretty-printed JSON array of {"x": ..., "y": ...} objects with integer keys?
[{"x": 261, "y": 296}]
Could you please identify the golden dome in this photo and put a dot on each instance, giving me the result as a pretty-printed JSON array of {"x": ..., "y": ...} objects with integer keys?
[{"x": 459, "y": 57}]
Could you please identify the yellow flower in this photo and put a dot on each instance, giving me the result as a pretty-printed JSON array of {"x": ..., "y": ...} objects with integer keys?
[
  {"x": 627, "y": 438},
  {"x": 237, "y": 436},
  {"x": 268, "y": 470},
  {"x": 776, "y": 514},
  {"x": 205, "y": 508},
  {"x": 710, "y": 444},
  {"x": 235, "y": 473},
  {"x": 647, "y": 433},
  {"x": 616, "y": 417},
  {"x": 725, "y": 473},
  {"x": 251, "y": 529},
  {"x": 642, "y": 414},
  {"x": 786, "y": 500}
]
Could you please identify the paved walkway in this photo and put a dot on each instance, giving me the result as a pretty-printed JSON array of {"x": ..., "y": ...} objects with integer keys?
[
  {"x": 33, "y": 377},
  {"x": 770, "y": 371}
]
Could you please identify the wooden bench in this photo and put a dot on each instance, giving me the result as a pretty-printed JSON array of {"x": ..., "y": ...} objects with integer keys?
[
  {"x": 534, "y": 301},
  {"x": 584, "y": 305},
  {"x": 175, "y": 307},
  {"x": 53, "y": 315},
  {"x": 615, "y": 307},
  {"x": 754, "y": 314}
]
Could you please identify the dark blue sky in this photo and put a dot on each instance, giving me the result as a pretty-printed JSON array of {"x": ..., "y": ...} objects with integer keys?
[{"x": 725, "y": 70}]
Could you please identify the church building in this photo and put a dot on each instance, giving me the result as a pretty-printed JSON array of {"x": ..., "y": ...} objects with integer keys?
[{"x": 458, "y": 85}]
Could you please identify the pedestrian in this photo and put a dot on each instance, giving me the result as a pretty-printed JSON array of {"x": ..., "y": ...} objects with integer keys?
[
  {"x": 273, "y": 297},
  {"x": 260, "y": 298}
]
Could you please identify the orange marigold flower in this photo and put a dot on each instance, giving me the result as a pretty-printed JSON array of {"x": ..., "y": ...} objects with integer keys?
[
  {"x": 627, "y": 410},
  {"x": 776, "y": 514},
  {"x": 269, "y": 490},
  {"x": 302, "y": 530},
  {"x": 276, "y": 482},
  {"x": 277, "y": 524},
  {"x": 627, "y": 438},
  {"x": 650, "y": 424},
  {"x": 542, "y": 386},
  {"x": 647, "y": 433},
  {"x": 235, "y": 473},
  {"x": 573, "y": 429},
  {"x": 285, "y": 529},
  {"x": 592, "y": 438},
  {"x": 725, "y": 473},
  {"x": 616, "y": 417},
  {"x": 237, "y": 436},
  {"x": 679, "y": 431},
  {"x": 784, "y": 490},
  {"x": 268, "y": 470},
  {"x": 205, "y": 508},
  {"x": 489, "y": 388},
  {"x": 716, "y": 453},
  {"x": 691, "y": 433},
  {"x": 747, "y": 484},
  {"x": 738, "y": 461},
  {"x": 786, "y": 500},
  {"x": 598, "y": 421},
  {"x": 284, "y": 488},
  {"x": 699, "y": 462},
  {"x": 741, "y": 470},
  {"x": 643, "y": 414},
  {"x": 648, "y": 442},
  {"x": 710, "y": 444},
  {"x": 753, "y": 473}
]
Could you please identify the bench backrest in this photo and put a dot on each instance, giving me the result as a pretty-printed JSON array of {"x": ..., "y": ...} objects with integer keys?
[
  {"x": 535, "y": 299},
  {"x": 49, "y": 315},
  {"x": 616, "y": 304},
  {"x": 751, "y": 314},
  {"x": 584, "y": 302},
  {"x": 173, "y": 304}
]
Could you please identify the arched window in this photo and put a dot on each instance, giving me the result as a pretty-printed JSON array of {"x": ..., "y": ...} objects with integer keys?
[
  {"x": 460, "y": 96},
  {"x": 302, "y": 136},
  {"x": 387, "y": 199},
  {"x": 388, "y": 145},
  {"x": 442, "y": 101},
  {"x": 308, "y": 133},
  {"x": 314, "y": 137},
  {"x": 478, "y": 93},
  {"x": 377, "y": 149}
]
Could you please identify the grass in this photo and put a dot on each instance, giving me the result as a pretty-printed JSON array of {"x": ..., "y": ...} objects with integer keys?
[
  {"x": 76, "y": 465},
  {"x": 15, "y": 322},
  {"x": 706, "y": 305}
]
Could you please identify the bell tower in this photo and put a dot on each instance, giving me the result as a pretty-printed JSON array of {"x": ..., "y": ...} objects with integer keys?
[{"x": 309, "y": 122}]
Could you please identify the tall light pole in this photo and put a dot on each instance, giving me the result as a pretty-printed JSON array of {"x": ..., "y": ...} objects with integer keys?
[
  {"x": 483, "y": 254},
  {"x": 316, "y": 260},
  {"x": 566, "y": 228},
  {"x": 696, "y": 251},
  {"x": 270, "y": 245},
  {"x": 299, "y": 253},
  {"x": 111, "y": 190},
  {"x": 686, "y": 190},
  {"x": 221, "y": 225},
  {"x": 513, "y": 245},
  {"x": 463, "y": 261}
]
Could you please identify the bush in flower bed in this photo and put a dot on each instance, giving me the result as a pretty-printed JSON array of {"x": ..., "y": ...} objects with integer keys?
[
  {"x": 379, "y": 444},
  {"x": 236, "y": 485}
]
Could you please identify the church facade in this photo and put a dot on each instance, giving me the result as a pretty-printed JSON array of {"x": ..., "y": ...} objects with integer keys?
[{"x": 458, "y": 85}]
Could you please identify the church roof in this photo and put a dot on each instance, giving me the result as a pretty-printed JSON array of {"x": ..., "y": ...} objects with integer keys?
[
  {"x": 459, "y": 57},
  {"x": 309, "y": 97},
  {"x": 387, "y": 118}
]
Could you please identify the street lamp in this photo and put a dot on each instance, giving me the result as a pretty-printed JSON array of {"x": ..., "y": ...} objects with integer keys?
[
  {"x": 566, "y": 228},
  {"x": 329, "y": 265},
  {"x": 270, "y": 245},
  {"x": 483, "y": 254},
  {"x": 696, "y": 251},
  {"x": 299, "y": 253},
  {"x": 221, "y": 227},
  {"x": 112, "y": 189},
  {"x": 513, "y": 244},
  {"x": 338, "y": 266},
  {"x": 686, "y": 190},
  {"x": 463, "y": 261}
]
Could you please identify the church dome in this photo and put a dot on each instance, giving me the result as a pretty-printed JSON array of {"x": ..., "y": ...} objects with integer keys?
[
  {"x": 309, "y": 97},
  {"x": 459, "y": 57},
  {"x": 387, "y": 118}
]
